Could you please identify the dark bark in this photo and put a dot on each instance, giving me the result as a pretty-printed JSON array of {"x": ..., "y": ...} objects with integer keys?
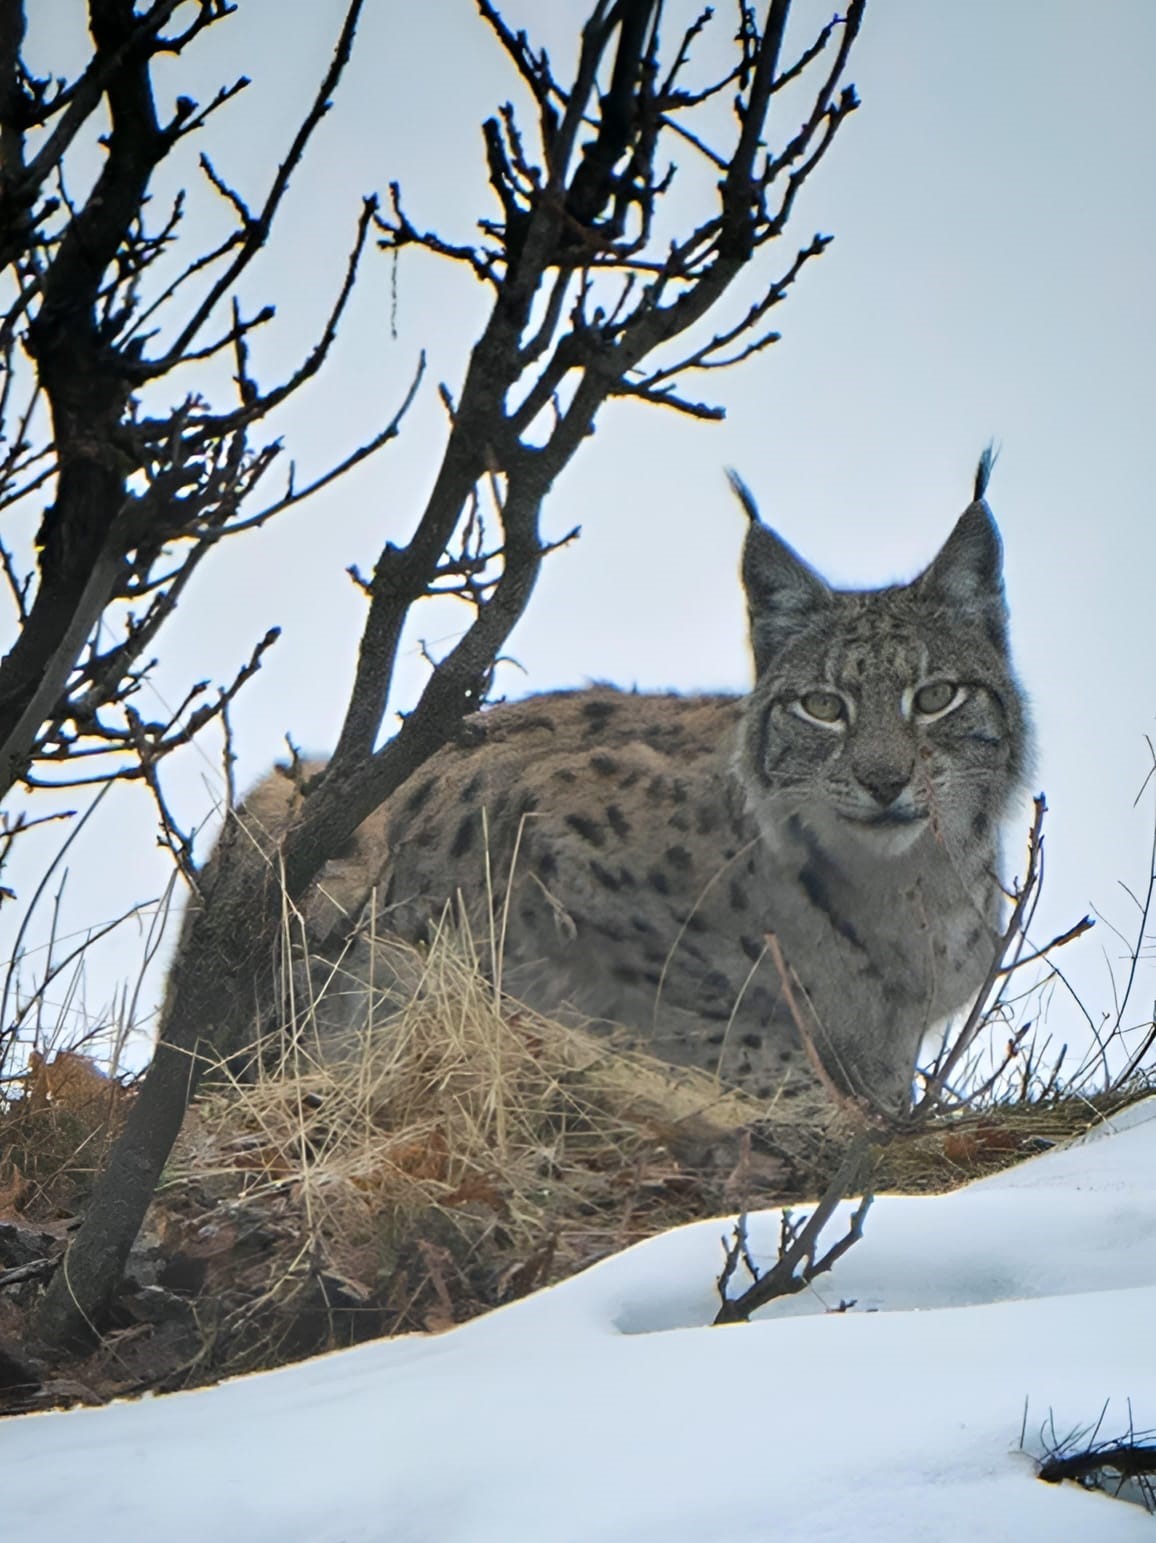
[
  {"x": 77, "y": 312},
  {"x": 81, "y": 538}
]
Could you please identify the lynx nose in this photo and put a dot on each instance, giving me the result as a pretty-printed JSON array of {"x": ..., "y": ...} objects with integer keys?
[{"x": 884, "y": 783}]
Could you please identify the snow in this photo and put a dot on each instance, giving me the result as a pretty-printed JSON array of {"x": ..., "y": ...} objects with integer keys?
[{"x": 606, "y": 1409}]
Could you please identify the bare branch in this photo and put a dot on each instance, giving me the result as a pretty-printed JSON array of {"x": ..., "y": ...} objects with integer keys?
[
  {"x": 797, "y": 1265},
  {"x": 257, "y": 231},
  {"x": 1011, "y": 941},
  {"x": 295, "y": 495}
]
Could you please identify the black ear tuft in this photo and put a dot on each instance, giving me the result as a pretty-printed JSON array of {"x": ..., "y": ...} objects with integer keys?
[
  {"x": 987, "y": 460},
  {"x": 782, "y": 591},
  {"x": 744, "y": 495}
]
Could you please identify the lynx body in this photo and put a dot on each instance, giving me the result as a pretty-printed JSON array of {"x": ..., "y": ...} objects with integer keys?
[{"x": 849, "y": 806}]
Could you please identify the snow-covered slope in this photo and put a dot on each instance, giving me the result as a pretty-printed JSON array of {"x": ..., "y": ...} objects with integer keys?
[{"x": 606, "y": 1410}]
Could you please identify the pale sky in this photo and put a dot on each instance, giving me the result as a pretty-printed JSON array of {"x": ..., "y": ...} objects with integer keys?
[{"x": 993, "y": 204}]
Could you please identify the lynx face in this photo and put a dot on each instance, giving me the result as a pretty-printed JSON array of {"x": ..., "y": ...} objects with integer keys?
[{"x": 881, "y": 716}]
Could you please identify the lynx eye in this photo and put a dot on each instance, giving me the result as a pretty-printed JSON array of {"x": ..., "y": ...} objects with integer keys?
[
  {"x": 935, "y": 697},
  {"x": 823, "y": 706}
]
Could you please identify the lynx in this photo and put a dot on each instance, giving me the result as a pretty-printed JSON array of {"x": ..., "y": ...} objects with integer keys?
[{"x": 703, "y": 871}]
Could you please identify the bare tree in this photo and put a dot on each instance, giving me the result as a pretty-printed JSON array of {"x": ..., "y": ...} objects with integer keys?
[
  {"x": 91, "y": 335},
  {"x": 587, "y": 304}
]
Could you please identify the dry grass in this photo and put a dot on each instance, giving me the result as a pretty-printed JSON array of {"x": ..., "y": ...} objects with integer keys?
[
  {"x": 467, "y": 1150},
  {"x": 56, "y": 1126},
  {"x": 954, "y": 1150},
  {"x": 455, "y": 1155},
  {"x": 460, "y": 1154}
]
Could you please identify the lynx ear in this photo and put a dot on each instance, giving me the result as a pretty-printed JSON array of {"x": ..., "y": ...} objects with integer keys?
[
  {"x": 781, "y": 589},
  {"x": 968, "y": 573}
]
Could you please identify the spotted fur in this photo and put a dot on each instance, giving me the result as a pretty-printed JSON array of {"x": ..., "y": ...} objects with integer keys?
[{"x": 650, "y": 843}]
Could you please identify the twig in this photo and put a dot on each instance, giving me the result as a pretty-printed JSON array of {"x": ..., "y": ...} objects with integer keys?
[
  {"x": 790, "y": 981},
  {"x": 937, "y": 1076},
  {"x": 797, "y": 1265}
]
